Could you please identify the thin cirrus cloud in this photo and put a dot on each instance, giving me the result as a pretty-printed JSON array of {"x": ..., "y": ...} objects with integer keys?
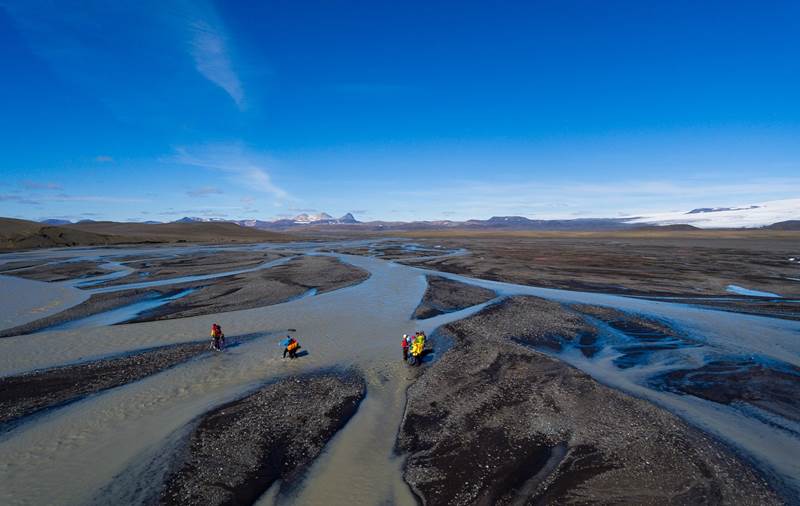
[
  {"x": 35, "y": 185},
  {"x": 209, "y": 47},
  {"x": 241, "y": 166},
  {"x": 175, "y": 27},
  {"x": 204, "y": 192},
  {"x": 18, "y": 199},
  {"x": 63, "y": 197}
]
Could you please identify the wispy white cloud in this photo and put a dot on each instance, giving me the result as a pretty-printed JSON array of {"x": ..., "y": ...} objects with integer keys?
[
  {"x": 19, "y": 199},
  {"x": 208, "y": 46},
  {"x": 242, "y": 166},
  {"x": 82, "y": 46},
  {"x": 103, "y": 159},
  {"x": 35, "y": 185},
  {"x": 204, "y": 192},
  {"x": 62, "y": 197}
]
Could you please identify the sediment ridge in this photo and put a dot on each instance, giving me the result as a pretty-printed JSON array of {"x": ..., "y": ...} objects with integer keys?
[{"x": 496, "y": 422}]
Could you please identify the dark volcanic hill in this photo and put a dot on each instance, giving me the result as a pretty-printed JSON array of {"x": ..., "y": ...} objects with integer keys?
[
  {"x": 22, "y": 234},
  {"x": 678, "y": 227},
  {"x": 785, "y": 225}
]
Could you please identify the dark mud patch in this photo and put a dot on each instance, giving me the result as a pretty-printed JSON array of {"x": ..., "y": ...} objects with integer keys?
[
  {"x": 444, "y": 295},
  {"x": 495, "y": 422},
  {"x": 773, "y": 387},
  {"x": 61, "y": 271},
  {"x": 26, "y": 394},
  {"x": 237, "y": 451}
]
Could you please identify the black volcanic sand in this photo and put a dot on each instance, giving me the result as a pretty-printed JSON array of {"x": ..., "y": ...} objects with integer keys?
[
  {"x": 237, "y": 451},
  {"x": 646, "y": 265},
  {"x": 495, "y": 422},
  {"x": 230, "y": 293},
  {"x": 445, "y": 295},
  {"x": 554, "y": 328},
  {"x": 771, "y": 387},
  {"x": 61, "y": 271},
  {"x": 646, "y": 335},
  {"x": 153, "y": 269},
  {"x": 29, "y": 393}
]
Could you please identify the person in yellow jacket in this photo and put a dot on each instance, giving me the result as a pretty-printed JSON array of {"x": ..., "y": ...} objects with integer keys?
[{"x": 418, "y": 346}]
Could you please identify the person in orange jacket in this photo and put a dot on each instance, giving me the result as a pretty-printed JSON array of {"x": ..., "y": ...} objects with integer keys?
[{"x": 291, "y": 348}]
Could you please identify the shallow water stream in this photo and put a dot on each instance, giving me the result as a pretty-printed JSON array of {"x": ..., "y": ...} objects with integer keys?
[{"x": 53, "y": 459}]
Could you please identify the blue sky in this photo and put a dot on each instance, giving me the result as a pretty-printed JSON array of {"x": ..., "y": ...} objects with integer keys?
[{"x": 395, "y": 110}]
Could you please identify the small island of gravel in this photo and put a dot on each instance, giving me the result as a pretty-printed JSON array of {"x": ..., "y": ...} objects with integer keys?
[
  {"x": 272, "y": 434},
  {"x": 445, "y": 295},
  {"x": 495, "y": 422},
  {"x": 28, "y": 393}
]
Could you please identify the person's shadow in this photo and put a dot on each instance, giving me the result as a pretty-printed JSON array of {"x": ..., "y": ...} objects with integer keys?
[{"x": 302, "y": 353}]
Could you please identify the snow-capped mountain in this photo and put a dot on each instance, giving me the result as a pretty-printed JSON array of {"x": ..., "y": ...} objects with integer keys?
[
  {"x": 311, "y": 218},
  {"x": 299, "y": 220},
  {"x": 195, "y": 219},
  {"x": 746, "y": 216}
]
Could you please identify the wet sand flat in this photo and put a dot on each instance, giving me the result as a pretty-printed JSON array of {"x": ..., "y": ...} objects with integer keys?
[
  {"x": 24, "y": 301},
  {"x": 29, "y": 393},
  {"x": 494, "y": 422},
  {"x": 229, "y": 293}
]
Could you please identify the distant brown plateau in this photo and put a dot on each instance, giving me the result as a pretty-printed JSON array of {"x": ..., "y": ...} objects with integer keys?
[{"x": 23, "y": 234}]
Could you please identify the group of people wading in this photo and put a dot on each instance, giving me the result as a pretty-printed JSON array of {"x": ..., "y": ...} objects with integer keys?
[
  {"x": 290, "y": 344},
  {"x": 413, "y": 347}
]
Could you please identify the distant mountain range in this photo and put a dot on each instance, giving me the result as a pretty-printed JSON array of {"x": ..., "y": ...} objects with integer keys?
[
  {"x": 299, "y": 220},
  {"x": 777, "y": 214},
  {"x": 719, "y": 209}
]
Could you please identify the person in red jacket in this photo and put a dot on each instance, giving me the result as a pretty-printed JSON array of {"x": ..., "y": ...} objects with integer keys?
[
  {"x": 217, "y": 337},
  {"x": 404, "y": 344}
]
